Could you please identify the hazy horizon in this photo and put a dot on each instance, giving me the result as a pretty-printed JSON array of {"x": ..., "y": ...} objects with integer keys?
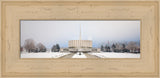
[{"x": 100, "y": 32}]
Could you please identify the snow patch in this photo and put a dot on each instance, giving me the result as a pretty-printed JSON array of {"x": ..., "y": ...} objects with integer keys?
[
  {"x": 115, "y": 55},
  {"x": 43, "y": 55},
  {"x": 79, "y": 56}
]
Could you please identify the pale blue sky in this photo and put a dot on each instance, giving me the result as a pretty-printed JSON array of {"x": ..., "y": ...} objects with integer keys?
[{"x": 100, "y": 32}]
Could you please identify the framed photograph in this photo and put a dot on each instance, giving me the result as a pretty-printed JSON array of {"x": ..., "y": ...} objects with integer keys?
[{"x": 79, "y": 39}]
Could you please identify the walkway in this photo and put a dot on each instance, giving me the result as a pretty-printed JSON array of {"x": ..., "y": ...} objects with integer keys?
[
  {"x": 79, "y": 55},
  {"x": 90, "y": 56},
  {"x": 76, "y": 55},
  {"x": 68, "y": 56}
]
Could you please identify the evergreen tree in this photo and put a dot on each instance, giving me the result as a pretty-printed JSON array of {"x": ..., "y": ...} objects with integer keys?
[
  {"x": 106, "y": 48},
  {"x": 53, "y": 48},
  {"x": 102, "y": 48},
  {"x": 57, "y": 47},
  {"x": 113, "y": 47}
]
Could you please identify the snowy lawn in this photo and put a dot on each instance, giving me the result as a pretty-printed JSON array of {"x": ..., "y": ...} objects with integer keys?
[
  {"x": 115, "y": 55},
  {"x": 79, "y": 56},
  {"x": 43, "y": 55}
]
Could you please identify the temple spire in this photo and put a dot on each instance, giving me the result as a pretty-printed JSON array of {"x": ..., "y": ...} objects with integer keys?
[{"x": 80, "y": 33}]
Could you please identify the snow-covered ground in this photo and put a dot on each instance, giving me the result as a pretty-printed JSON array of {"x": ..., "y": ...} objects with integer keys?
[
  {"x": 43, "y": 55},
  {"x": 115, "y": 55},
  {"x": 76, "y": 55},
  {"x": 79, "y": 56}
]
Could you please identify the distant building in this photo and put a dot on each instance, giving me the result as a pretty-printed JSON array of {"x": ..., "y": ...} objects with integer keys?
[
  {"x": 64, "y": 49},
  {"x": 96, "y": 49}
]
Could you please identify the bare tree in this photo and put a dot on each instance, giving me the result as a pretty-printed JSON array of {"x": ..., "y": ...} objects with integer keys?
[
  {"x": 132, "y": 46},
  {"x": 118, "y": 47},
  {"x": 124, "y": 49},
  {"x": 41, "y": 47},
  {"x": 29, "y": 45},
  {"x": 54, "y": 48},
  {"x": 21, "y": 48},
  {"x": 123, "y": 46}
]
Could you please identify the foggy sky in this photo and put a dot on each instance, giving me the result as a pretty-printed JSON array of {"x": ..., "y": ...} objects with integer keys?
[{"x": 100, "y": 32}]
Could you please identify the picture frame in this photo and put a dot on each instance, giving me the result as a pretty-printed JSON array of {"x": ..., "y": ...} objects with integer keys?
[{"x": 14, "y": 11}]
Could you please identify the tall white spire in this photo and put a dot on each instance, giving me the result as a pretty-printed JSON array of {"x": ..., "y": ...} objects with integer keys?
[{"x": 80, "y": 33}]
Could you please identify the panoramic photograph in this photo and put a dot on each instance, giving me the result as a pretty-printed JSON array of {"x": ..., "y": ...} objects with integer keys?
[{"x": 80, "y": 39}]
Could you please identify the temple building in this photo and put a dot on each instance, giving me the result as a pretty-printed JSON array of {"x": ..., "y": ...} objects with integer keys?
[{"x": 80, "y": 45}]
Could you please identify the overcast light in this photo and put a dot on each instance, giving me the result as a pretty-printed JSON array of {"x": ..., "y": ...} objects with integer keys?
[{"x": 53, "y": 32}]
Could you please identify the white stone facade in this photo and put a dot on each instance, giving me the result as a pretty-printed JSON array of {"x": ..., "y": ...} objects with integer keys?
[{"x": 80, "y": 44}]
